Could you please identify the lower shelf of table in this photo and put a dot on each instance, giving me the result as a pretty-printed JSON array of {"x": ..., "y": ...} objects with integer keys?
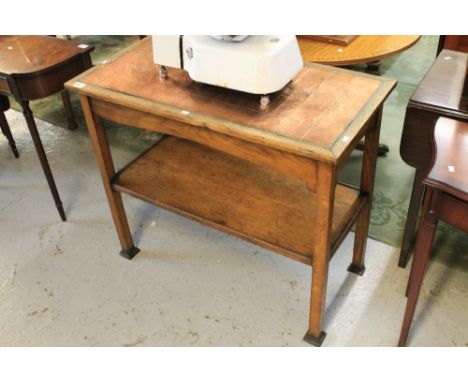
[{"x": 233, "y": 195}]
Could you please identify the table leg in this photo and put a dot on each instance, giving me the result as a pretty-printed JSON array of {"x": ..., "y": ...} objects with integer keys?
[
  {"x": 373, "y": 66},
  {"x": 325, "y": 194},
  {"x": 106, "y": 167},
  {"x": 410, "y": 227},
  {"x": 28, "y": 115},
  {"x": 68, "y": 109},
  {"x": 369, "y": 162},
  {"x": 421, "y": 257},
  {"x": 7, "y": 133},
  {"x": 413, "y": 209}
]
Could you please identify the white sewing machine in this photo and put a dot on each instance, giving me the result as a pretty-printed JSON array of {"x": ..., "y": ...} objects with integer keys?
[{"x": 254, "y": 64}]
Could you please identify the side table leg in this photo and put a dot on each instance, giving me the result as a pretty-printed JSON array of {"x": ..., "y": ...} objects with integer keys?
[
  {"x": 315, "y": 335},
  {"x": 28, "y": 115},
  {"x": 421, "y": 257},
  {"x": 369, "y": 162},
  {"x": 7, "y": 133},
  {"x": 413, "y": 209},
  {"x": 68, "y": 109},
  {"x": 325, "y": 195},
  {"x": 106, "y": 167}
]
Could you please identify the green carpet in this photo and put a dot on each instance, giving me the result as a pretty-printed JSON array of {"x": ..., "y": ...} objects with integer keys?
[{"x": 393, "y": 180}]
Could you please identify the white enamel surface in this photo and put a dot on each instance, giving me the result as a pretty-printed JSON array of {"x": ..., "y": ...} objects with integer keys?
[{"x": 258, "y": 64}]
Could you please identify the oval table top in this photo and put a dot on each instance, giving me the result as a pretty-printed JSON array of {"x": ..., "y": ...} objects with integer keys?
[{"x": 363, "y": 49}]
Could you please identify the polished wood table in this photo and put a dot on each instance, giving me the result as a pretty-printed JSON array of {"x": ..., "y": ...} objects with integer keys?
[
  {"x": 267, "y": 174},
  {"x": 442, "y": 92},
  {"x": 363, "y": 50},
  {"x": 33, "y": 67},
  {"x": 446, "y": 199}
]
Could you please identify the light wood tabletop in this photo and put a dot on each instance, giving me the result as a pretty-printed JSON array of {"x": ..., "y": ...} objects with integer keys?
[{"x": 364, "y": 49}]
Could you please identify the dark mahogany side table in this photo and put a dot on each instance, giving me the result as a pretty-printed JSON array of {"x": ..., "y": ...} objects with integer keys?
[
  {"x": 446, "y": 198},
  {"x": 33, "y": 67},
  {"x": 442, "y": 93}
]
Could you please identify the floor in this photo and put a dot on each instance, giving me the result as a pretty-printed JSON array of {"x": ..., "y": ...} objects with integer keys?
[{"x": 64, "y": 284}]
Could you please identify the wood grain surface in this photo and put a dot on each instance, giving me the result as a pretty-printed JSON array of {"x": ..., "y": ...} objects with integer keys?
[
  {"x": 200, "y": 182},
  {"x": 445, "y": 85},
  {"x": 316, "y": 108},
  {"x": 450, "y": 169},
  {"x": 22, "y": 55},
  {"x": 363, "y": 49}
]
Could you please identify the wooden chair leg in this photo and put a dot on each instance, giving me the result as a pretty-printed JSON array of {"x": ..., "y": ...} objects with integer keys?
[
  {"x": 421, "y": 257},
  {"x": 7, "y": 133}
]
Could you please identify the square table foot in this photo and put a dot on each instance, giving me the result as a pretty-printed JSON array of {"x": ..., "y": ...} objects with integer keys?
[
  {"x": 129, "y": 253},
  {"x": 355, "y": 269},
  {"x": 316, "y": 341}
]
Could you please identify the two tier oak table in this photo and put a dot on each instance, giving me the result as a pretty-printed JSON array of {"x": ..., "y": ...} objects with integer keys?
[{"x": 265, "y": 174}]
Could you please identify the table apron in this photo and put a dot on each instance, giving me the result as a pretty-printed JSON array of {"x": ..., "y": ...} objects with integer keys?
[
  {"x": 290, "y": 164},
  {"x": 35, "y": 86},
  {"x": 417, "y": 139}
]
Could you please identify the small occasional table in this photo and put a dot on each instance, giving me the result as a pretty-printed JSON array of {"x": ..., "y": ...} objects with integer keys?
[
  {"x": 442, "y": 93},
  {"x": 33, "y": 67},
  {"x": 446, "y": 199},
  {"x": 265, "y": 174}
]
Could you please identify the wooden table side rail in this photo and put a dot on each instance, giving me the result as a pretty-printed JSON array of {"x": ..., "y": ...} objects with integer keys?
[{"x": 301, "y": 167}]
